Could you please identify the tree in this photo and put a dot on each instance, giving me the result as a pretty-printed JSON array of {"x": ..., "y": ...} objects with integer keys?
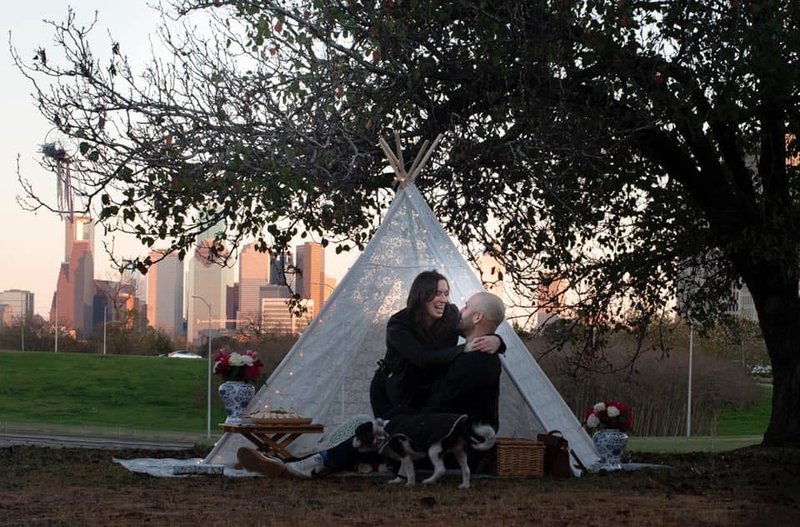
[{"x": 619, "y": 146}]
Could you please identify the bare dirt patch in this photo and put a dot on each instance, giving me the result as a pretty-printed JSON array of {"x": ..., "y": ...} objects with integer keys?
[{"x": 754, "y": 486}]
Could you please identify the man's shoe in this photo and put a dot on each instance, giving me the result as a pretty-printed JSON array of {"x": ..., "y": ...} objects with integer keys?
[
  {"x": 308, "y": 467},
  {"x": 255, "y": 461}
]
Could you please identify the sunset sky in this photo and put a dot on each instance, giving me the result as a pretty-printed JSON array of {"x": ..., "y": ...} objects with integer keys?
[{"x": 33, "y": 243}]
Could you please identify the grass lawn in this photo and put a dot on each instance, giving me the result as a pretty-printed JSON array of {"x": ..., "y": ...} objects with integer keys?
[
  {"x": 669, "y": 445},
  {"x": 736, "y": 428},
  {"x": 112, "y": 391},
  {"x": 747, "y": 421},
  {"x": 133, "y": 396}
]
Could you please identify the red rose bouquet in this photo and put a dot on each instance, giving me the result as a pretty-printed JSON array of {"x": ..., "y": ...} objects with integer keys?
[
  {"x": 238, "y": 366},
  {"x": 609, "y": 414}
]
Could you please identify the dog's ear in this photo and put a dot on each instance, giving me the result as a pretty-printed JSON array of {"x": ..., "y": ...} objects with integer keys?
[
  {"x": 364, "y": 430},
  {"x": 364, "y": 436}
]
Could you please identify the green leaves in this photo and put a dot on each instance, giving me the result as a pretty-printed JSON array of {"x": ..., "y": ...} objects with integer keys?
[{"x": 583, "y": 138}]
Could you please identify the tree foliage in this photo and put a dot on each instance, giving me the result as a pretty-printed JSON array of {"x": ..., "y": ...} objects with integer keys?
[{"x": 619, "y": 146}]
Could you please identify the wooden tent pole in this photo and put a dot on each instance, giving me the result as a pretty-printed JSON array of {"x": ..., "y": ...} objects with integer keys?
[
  {"x": 421, "y": 153},
  {"x": 399, "y": 172},
  {"x": 399, "y": 149},
  {"x": 414, "y": 173}
]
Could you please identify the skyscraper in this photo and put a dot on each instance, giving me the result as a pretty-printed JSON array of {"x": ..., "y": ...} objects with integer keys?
[
  {"x": 492, "y": 272},
  {"x": 18, "y": 301},
  {"x": 279, "y": 262},
  {"x": 165, "y": 294},
  {"x": 550, "y": 301},
  {"x": 16, "y": 306},
  {"x": 310, "y": 259},
  {"x": 75, "y": 289},
  {"x": 278, "y": 319},
  {"x": 254, "y": 270},
  {"x": 208, "y": 280}
]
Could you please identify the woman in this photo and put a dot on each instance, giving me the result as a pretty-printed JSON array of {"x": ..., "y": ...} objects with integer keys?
[{"x": 420, "y": 342}]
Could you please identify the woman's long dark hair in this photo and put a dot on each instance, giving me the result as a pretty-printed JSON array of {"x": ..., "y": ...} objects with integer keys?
[{"x": 423, "y": 290}]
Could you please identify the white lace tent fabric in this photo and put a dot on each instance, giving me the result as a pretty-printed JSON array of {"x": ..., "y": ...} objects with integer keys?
[{"x": 326, "y": 375}]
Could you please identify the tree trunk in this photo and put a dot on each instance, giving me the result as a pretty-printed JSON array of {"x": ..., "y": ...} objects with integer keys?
[
  {"x": 778, "y": 310},
  {"x": 784, "y": 423}
]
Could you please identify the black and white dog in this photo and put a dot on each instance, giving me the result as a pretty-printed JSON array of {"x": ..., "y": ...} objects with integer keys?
[{"x": 410, "y": 437}]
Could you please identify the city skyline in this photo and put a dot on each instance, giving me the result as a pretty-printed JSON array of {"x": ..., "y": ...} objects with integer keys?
[{"x": 34, "y": 241}]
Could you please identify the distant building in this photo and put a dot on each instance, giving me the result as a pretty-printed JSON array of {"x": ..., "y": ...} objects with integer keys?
[
  {"x": 72, "y": 302},
  {"x": 6, "y": 316},
  {"x": 550, "y": 301},
  {"x": 19, "y": 304},
  {"x": 231, "y": 305},
  {"x": 138, "y": 283},
  {"x": 275, "y": 291},
  {"x": 279, "y": 262},
  {"x": 492, "y": 274},
  {"x": 278, "y": 319},
  {"x": 113, "y": 302},
  {"x": 254, "y": 269},
  {"x": 310, "y": 260},
  {"x": 208, "y": 280},
  {"x": 330, "y": 286},
  {"x": 741, "y": 304},
  {"x": 165, "y": 294}
]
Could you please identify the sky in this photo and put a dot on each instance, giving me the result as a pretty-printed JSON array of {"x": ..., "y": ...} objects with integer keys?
[{"x": 34, "y": 242}]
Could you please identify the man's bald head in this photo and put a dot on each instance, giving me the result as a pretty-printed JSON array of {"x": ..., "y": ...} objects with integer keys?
[
  {"x": 482, "y": 314},
  {"x": 491, "y": 306}
]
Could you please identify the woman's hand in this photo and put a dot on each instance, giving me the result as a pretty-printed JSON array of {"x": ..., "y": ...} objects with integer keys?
[{"x": 488, "y": 344}]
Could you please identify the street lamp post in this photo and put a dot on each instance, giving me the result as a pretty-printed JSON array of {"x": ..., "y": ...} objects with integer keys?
[
  {"x": 689, "y": 391},
  {"x": 105, "y": 322},
  {"x": 208, "y": 405},
  {"x": 56, "y": 331}
]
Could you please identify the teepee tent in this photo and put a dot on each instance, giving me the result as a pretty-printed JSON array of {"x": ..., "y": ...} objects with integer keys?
[{"x": 327, "y": 373}]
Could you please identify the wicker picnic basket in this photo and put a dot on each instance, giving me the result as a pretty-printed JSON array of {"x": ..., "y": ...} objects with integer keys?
[{"x": 517, "y": 457}]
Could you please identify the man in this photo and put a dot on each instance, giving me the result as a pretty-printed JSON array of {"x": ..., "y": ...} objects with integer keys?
[{"x": 471, "y": 385}]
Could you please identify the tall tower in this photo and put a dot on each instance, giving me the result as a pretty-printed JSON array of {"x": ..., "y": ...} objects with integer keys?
[
  {"x": 310, "y": 259},
  {"x": 208, "y": 279},
  {"x": 165, "y": 294},
  {"x": 77, "y": 229},
  {"x": 492, "y": 272},
  {"x": 279, "y": 262},
  {"x": 72, "y": 301},
  {"x": 253, "y": 275},
  {"x": 550, "y": 301}
]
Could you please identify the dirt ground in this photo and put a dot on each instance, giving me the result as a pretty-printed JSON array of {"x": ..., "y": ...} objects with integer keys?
[{"x": 754, "y": 486}]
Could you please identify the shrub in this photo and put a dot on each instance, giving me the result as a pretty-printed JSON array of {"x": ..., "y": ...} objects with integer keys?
[{"x": 657, "y": 386}]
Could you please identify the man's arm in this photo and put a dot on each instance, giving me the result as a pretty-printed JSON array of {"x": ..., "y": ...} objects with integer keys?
[{"x": 487, "y": 344}]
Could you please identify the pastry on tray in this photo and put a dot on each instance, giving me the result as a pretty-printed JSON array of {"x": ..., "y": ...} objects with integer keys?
[{"x": 277, "y": 416}]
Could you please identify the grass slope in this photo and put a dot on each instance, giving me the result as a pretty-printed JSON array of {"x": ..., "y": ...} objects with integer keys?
[
  {"x": 160, "y": 394},
  {"x": 747, "y": 421},
  {"x": 122, "y": 391}
]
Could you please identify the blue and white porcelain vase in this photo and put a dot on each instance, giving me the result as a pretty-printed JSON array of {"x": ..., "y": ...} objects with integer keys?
[
  {"x": 610, "y": 444},
  {"x": 236, "y": 395}
]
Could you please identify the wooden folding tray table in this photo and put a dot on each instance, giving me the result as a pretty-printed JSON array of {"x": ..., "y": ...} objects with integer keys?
[{"x": 273, "y": 439}]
